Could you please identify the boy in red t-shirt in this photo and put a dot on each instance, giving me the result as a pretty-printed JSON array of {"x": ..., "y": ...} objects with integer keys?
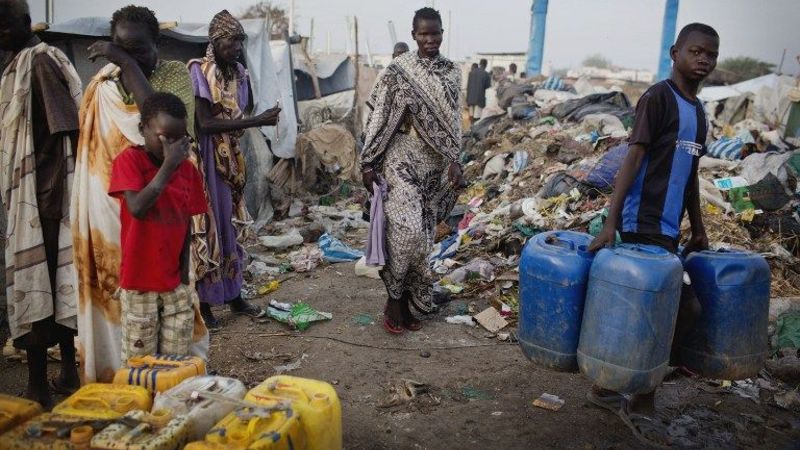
[{"x": 159, "y": 192}]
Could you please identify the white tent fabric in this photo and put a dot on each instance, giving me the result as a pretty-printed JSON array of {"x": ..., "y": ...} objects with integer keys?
[
  {"x": 270, "y": 74},
  {"x": 269, "y": 77},
  {"x": 769, "y": 93},
  {"x": 284, "y": 141},
  {"x": 716, "y": 93}
]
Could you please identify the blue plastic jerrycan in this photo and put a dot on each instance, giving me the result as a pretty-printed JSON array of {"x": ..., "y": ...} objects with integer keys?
[
  {"x": 629, "y": 317},
  {"x": 728, "y": 338},
  {"x": 553, "y": 272}
]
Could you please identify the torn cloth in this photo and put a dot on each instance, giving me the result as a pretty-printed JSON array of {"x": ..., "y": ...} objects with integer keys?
[{"x": 376, "y": 244}]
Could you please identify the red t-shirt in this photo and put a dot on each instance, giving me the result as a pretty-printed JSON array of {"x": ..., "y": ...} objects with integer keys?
[{"x": 151, "y": 248}]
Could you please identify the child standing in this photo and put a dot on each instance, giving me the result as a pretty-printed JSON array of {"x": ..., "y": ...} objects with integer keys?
[
  {"x": 159, "y": 191},
  {"x": 657, "y": 183}
]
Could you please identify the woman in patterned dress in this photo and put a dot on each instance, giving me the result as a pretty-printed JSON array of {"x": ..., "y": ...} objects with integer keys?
[
  {"x": 412, "y": 143},
  {"x": 221, "y": 89}
]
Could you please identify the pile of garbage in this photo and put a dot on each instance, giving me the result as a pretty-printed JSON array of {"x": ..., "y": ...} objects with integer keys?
[
  {"x": 554, "y": 167},
  {"x": 543, "y": 159}
]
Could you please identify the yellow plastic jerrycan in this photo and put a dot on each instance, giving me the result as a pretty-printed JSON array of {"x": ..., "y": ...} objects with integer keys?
[
  {"x": 50, "y": 431},
  {"x": 255, "y": 429},
  {"x": 15, "y": 410},
  {"x": 139, "y": 430},
  {"x": 316, "y": 402},
  {"x": 104, "y": 401},
  {"x": 158, "y": 373}
]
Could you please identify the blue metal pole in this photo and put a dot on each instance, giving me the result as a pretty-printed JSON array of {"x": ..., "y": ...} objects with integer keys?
[
  {"x": 536, "y": 47},
  {"x": 667, "y": 38}
]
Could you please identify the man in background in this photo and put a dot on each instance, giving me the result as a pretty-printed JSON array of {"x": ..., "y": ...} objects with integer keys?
[{"x": 479, "y": 80}]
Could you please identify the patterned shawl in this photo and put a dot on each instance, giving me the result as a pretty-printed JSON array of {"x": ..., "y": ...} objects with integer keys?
[
  {"x": 426, "y": 90},
  {"x": 227, "y": 95},
  {"x": 109, "y": 124},
  {"x": 228, "y": 157},
  {"x": 27, "y": 277}
]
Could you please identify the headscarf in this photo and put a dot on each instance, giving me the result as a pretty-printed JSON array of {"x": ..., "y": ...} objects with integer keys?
[{"x": 223, "y": 25}]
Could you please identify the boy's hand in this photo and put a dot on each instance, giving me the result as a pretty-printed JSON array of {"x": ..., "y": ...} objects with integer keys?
[
  {"x": 697, "y": 243},
  {"x": 606, "y": 238},
  {"x": 176, "y": 151}
]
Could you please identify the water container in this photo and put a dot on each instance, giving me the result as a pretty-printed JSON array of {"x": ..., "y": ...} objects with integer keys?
[
  {"x": 15, "y": 410},
  {"x": 255, "y": 429},
  {"x": 729, "y": 338},
  {"x": 50, "y": 431},
  {"x": 553, "y": 272},
  {"x": 316, "y": 402},
  {"x": 157, "y": 373},
  {"x": 629, "y": 317},
  {"x": 140, "y": 430},
  {"x": 202, "y": 411},
  {"x": 104, "y": 401}
]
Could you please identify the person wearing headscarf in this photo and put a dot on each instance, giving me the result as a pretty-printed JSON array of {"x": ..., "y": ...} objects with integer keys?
[
  {"x": 221, "y": 90},
  {"x": 412, "y": 143}
]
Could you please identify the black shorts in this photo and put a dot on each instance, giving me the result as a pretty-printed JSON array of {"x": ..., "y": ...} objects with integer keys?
[{"x": 665, "y": 242}]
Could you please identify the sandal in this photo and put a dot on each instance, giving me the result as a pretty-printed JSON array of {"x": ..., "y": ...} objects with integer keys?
[
  {"x": 645, "y": 429},
  {"x": 408, "y": 321},
  {"x": 212, "y": 323},
  {"x": 250, "y": 310},
  {"x": 610, "y": 402},
  {"x": 391, "y": 327},
  {"x": 414, "y": 325},
  {"x": 60, "y": 389}
]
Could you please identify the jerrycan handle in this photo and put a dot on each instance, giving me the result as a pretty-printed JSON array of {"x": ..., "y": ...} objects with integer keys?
[
  {"x": 78, "y": 400},
  {"x": 283, "y": 387},
  {"x": 648, "y": 249},
  {"x": 555, "y": 241},
  {"x": 137, "y": 362}
]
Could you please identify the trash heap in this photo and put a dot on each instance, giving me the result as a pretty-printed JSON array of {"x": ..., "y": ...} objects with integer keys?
[
  {"x": 553, "y": 168},
  {"x": 546, "y": 159}
]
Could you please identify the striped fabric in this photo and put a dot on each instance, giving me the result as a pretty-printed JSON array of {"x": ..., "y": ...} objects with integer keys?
[
  {"x": 726, "y": 148},
  {"x": 553, "y": 83}
]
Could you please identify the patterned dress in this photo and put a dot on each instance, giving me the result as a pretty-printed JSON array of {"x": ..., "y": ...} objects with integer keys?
[
  {"x": 412, "y": 135},
  {"x": 219, "y": 268}
]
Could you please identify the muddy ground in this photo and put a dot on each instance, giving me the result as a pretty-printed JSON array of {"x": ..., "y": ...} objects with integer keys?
[{"x": 481, "y": 390}]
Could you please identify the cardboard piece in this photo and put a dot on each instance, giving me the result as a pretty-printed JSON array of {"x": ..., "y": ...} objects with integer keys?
[{"x": 490, "y": 319}]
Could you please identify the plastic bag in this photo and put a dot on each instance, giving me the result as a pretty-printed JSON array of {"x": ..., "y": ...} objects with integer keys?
[
  {"x": 335, "y": 251},
  {"x": 300, "y": 316}
]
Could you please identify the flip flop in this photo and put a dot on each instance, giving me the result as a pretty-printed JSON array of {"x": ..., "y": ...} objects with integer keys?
[
  {"x": 608, "y": 402},
  {"x": 212, "y": 323},
  {"x": 640, "y": 425},
  {"x": 412, "y": 326},
  {"x": 392, "y": 328},
  {"x": 251, "y": 311}
]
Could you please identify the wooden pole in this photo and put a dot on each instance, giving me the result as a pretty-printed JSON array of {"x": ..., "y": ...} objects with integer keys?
[
  {"x": 313, "y": 70},
  {"x": 356, "y": 108}
]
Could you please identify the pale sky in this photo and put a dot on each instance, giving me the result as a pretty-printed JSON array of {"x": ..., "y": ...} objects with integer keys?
[{"x": 628, "y": 32}]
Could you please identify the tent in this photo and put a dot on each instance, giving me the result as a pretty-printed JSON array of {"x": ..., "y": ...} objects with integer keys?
[
  {"x": 268, "y": 65},
  {"x": 764, "y": 99}
]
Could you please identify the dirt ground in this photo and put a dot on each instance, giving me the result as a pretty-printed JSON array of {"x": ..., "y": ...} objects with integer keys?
[{"x": 480, "y": 390}]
